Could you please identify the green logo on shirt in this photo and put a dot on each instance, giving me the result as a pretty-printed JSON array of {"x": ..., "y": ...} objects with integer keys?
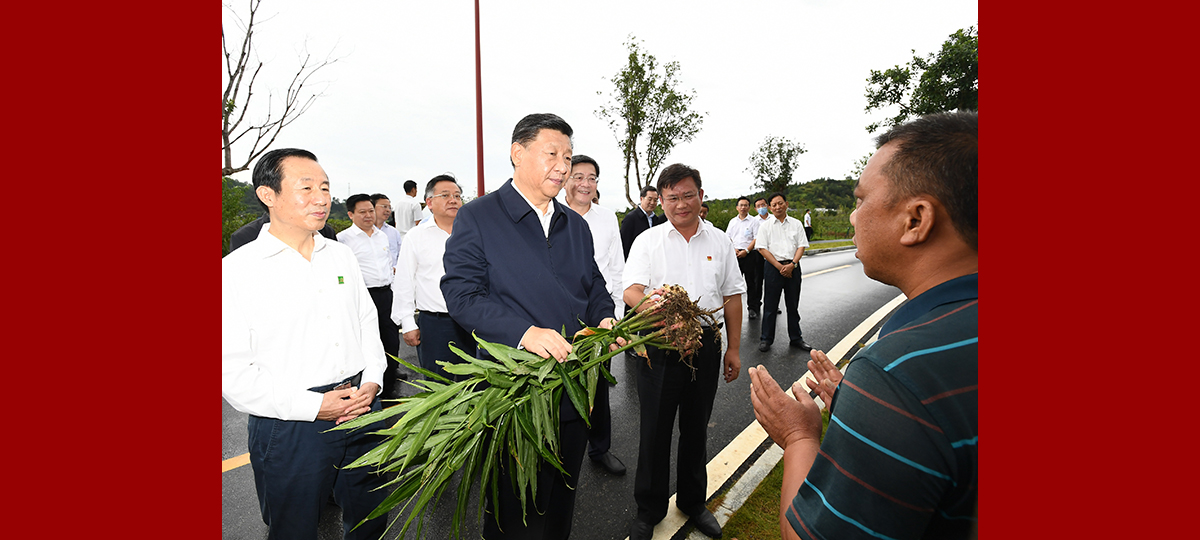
[{"x": 341, "y": 280}]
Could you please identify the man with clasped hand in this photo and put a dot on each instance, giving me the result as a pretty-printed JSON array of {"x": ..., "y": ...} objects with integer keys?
[{"x": 300, "y": 353}]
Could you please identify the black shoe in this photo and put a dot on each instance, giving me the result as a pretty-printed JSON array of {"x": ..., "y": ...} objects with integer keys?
[
  {"x": 640, "y": 530},
  {"x": 800, "y": 344},
  {"x": 753, "y": 315},
  {"x": 610, "y": 463},
  {"x": 763, "y": 346},
  {"x": 707, "y": 523}
]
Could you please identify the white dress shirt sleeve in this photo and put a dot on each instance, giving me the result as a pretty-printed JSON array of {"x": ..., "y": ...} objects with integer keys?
[
  {"x": 404, "y": 286},
  {"x": 246, "y": 386}
]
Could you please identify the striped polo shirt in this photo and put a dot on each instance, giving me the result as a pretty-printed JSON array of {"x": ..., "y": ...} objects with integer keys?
[{"x": 900, "y": 457}]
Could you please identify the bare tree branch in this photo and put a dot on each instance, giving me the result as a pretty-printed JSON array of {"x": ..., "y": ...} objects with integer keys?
[{"x": 235, "y": 122}]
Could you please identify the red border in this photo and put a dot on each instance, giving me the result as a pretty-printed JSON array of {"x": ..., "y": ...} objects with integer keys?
[{"x": 114, "y": 317}]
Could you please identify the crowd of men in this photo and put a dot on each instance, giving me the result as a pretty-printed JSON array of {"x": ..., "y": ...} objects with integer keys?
[{"x": 312, "y": 319}]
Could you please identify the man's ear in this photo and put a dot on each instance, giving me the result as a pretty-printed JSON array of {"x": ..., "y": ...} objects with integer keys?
[
  {"x": 516, "y": 152},
  {"x": 266, "y": 195},
  {"x": 919, "y": 217}
]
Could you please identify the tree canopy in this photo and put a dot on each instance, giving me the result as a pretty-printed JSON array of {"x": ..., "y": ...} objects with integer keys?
[
  {"x": 648, "y": 114},
  {"x": 941, "y": 82},
  {"x": 774, "y": 162}
]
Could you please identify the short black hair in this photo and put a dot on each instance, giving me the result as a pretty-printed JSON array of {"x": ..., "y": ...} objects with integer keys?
[
  {"x": 528, "y": 128},
  {"x": 938, "y": 155},
  {"x": 375, "y": 198},
  {"x": 433, "y": 182},
  {"x": 776, "y": 194},
  {"x": 409, "y": 185},
  {"x": 646, "y": 190},
  {"x": 580, "y": 158},
  {"x": 704, "y": 204},
  {"x": 269, "y": 169},
  {"x": 745, "y": 198},
  {"x": 676, "y": 173},
  {"x": 763, "y": 199},
  {"x": 357, "y": 198}
]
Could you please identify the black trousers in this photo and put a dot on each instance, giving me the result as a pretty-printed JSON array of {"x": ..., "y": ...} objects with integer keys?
[
  {"x": 437, "y": 331},
  {"x": 389, "y": 333},
  {"x": 775, "y": 285},
  {"x": 664, "y": 387},
  {"x": 549, "y": 514},
  {"x": 600, "y": 435},
  {"x": 297, "y": 464},
  {"x": 752, "y": 270}
]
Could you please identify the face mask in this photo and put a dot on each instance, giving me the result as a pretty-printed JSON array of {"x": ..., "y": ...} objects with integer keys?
[{"x": 762, "y": 211}]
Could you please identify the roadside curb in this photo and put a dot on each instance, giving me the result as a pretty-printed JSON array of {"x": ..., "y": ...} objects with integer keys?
[{"x": 827, "y": 250}]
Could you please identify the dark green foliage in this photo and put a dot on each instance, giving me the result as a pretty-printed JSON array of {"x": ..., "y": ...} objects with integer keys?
[
  {"x": 234, "y": 212},
  {"x": 941, "y": 82},
  {"x": 339, "y": 225},
  {"x": 773, "y": 163}
]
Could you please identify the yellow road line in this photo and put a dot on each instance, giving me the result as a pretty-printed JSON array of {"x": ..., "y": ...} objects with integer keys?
[{"x": 235, "y": 462}]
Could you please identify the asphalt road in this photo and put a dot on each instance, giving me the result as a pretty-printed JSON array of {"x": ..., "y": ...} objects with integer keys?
[{"x": 835, "y": 298}]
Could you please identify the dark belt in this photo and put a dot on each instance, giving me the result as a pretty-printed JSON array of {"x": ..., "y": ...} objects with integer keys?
[
  {"x": 435, "y": 314},
  {"x": 786, "y": 261},
  {"x": 377, "y": 288},
  {"x": 354, "y": 381}
]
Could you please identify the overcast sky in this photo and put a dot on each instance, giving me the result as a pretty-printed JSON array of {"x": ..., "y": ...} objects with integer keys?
[{"x": 399, "y": 103}]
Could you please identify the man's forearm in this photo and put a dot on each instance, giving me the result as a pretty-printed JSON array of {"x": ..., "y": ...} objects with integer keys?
[
  {"x": 770, "y": 258},
  {"x": 798, "y": 459}
]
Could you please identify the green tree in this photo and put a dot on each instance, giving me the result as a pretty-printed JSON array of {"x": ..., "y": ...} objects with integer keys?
[
  {"x": 233, "y": 210},
  {"x": 941, "y": 82},
  {"x": 648, "y": 115},
  {"x": 774, "y": 162}
]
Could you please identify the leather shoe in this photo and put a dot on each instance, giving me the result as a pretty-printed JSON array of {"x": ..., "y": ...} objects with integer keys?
[
  {"x": 610, "y": 463},
  {"x": 753, "y": 315},
  {"x": 640, "y": 530},
  {"x": 707, "y": 523},
  {"x": 763, "y": 346},
  {"x": 801, "y": 344}
]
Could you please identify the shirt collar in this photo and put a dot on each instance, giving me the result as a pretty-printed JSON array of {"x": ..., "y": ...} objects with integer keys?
[
  {"x": 267, "y": 245},
  {"x": 517, "y": 205},
  {"x": 355, "y": 230},
  {"x": 700, "y": 229},
  {"x": 955, "y": 290}
]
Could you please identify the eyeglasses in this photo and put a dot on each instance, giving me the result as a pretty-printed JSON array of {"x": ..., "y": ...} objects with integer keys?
[
  {"x": 454, "y": 196},
  {"x": 591, "y": 178},
  {"x": 674, "y": 199}
]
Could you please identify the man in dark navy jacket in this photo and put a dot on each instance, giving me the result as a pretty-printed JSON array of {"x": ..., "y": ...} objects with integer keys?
[
  {"x": 520, "y": 268},
  {"x": 640, "y": 218}
]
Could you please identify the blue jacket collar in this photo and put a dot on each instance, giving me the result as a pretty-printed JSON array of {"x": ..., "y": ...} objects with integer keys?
[{"x": 517, "y": 207}]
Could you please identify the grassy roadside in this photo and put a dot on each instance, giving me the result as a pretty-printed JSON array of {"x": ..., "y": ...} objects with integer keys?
[
  {"x": 827, "y": 245},
  {"x": 758, "y": 517}
]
